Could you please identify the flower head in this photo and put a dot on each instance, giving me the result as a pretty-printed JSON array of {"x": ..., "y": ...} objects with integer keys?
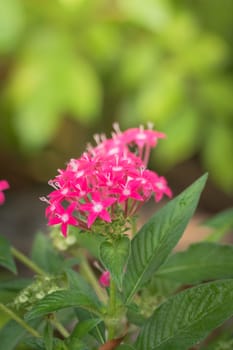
[
  {"x": 4, "y": 185},
  {"x": 107, "y": 180}
]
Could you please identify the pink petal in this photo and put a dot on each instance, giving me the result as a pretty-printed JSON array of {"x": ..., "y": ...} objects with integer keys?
[
  {"x": 4, "y": 185},
  {"x": 2, "y": 198}
]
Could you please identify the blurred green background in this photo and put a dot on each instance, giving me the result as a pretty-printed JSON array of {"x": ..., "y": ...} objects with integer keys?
[{"x": 70, "y": 68}]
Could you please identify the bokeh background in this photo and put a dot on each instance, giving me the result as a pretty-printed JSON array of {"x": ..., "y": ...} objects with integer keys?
[{"x": 70, "y": 68}]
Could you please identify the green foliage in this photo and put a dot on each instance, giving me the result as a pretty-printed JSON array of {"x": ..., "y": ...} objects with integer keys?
[
  {"x": 6, "y": 258},
  {"x": 149, "y": 303},
  {"x": 199, "y": 263},
  {"x": 188, "y": 317},
  {"x": 45, "y": 256},
  {"x": 11, "y": 334},
  {"x": 158, "y": 236},
  {"x": 163, "y": 61},
  {"x": 61, "y": 300},
  {"x": 222, "y": 223}
]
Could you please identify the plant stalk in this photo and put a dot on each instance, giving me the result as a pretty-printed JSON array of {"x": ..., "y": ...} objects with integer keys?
[
  {"x": 112, "y": 310},
  {"x": 20, "y": 321},
  {"x": 27, "y": 262},
  {"x": 88, "y": 273},
  {"x": 61, "y": 329}
]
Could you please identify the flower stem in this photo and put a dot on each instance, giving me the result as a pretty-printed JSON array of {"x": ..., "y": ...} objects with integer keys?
[
  {"x": 112, "y": 309},
  {"x": 134, "y": 225},
  {"x": 19, "y": 320},
  {"x": 88, "y": 273},
  {"x": 27, "y": 262},
  {"x": 61, "y": 329}
]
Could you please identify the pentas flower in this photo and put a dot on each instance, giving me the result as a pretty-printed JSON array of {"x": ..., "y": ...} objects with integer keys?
[
  {"x": 97, "y": 207},
  {"x": 4, "y": 185},
  {"x": 107, "y": 180},
  {"x": 63, "y": 217}
]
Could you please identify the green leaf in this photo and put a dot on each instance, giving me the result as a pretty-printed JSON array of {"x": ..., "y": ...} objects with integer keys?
[
  {"x": 83, "y": 328},
  {"x": 222, "y": 223},
  {"x": 78, "y": 283},
  {"x": 15, "y": 284},
  {"x": 45, "y": 256},
  {"x": 125, "y": 347},
  {"x": 134, "y": 315},
  {"x": 188, "y": 317},
  {"x": 39, "y": 344},
  {"x": 114, "y": 256},
  {"x": 77, "y": 344},
  {"x": 48, "y": 336},
  {"x": 202, "y": 261},
  {"x": 60, "y": 300},
  {"x": 98, "y": 331},
  {"x": 90, "y": 242},
  {"x": 6, "y": 259},
  {"x": 12, "y": 333},
  {"x": 155, "y": 240}
]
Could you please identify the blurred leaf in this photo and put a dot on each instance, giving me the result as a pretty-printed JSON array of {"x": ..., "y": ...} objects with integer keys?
[
  {"x": 78, "y": 283},
  {"x": 6, "y": 258},
  {"x": 36, "y": 124},
  {"x": 50, "y": 81},
  {"x": 222, "y": 223},
  {"x": 188, "y": 317},
  {"x": 103, "y": 42},
  {"x": 83, "y": 328},
  {"x": 98, "y": 332},
  {"x": 151, "y": 14},
  {"x": 203, "y": 55},
  {"x": 182, "y": 138},
  {"x": 134, "y": 315},
  {"x": 11, "y": 24},
  {"x": 45, "y": 255},
  {"x": 217, "y": 155},
  {"x": 139, "y": 59},
  {"x": 216, "y": 94},
  {"x": 161, "y": 286},
  {"x": 90, "y": 242},
  {"x": 202, "y": 261},
  {"x": 12, "y": 333},
  {"x": 14, "y": 284},
  {"x": 160, "y": 97},
  {"x": 83, "y": 91},
  {"x": 39, "y": 344}
]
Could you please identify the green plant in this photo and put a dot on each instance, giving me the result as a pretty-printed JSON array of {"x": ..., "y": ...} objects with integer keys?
[{"x": 151, "y": 298}]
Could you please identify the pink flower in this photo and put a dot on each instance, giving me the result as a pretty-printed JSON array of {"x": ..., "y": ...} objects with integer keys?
[
  {"x": 64, "y": 217},
  {"x": 105, "y": 279},
  {"x": 107, "y": 180},
  {"x": 4, "y": 185},
  {"x": 97, "y": 208}
]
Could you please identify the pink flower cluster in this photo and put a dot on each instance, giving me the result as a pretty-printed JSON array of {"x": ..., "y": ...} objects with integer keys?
[
  {"x": 4, "y": 185},
  {"x": 106, "y": 178}
]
